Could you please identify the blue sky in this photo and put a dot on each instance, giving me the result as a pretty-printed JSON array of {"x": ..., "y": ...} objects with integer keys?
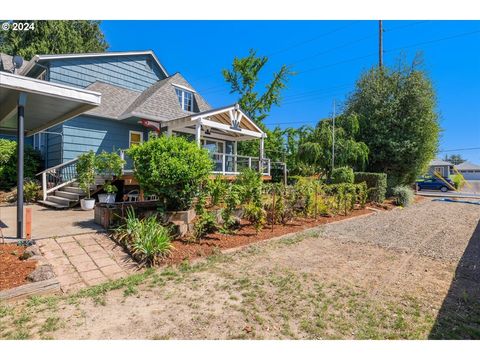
[{"x": 328, "y": 57}]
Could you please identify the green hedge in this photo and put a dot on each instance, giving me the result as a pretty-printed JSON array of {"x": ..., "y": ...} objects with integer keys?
[
  {"x": 342, "y": 175},
  {"x": 376, "y": 185},
  {"x": 8, "y": 163}
]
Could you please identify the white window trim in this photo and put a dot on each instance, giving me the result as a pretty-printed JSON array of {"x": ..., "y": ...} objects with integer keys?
[
  {"x": 183, "y": 91},
  {"x": 130, "y": 132},
  {"x": 181, "y": 87}
]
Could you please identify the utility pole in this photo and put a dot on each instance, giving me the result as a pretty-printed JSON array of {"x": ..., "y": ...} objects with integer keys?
[
  {"x": 380, "y": 44},
  {"x": 333, "y": 136}
]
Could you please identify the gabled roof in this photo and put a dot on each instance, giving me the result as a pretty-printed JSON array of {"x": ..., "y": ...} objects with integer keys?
[
  {"x": 438, "y": 162},
  {"x": 160, "y": 102},
  {"x": 115, "y": 100},
  {"x": 87, "y": 55},
  {"x": 467, "y": 166}
]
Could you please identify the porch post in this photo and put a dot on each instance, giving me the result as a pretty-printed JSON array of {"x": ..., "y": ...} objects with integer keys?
[
  {"x": 169, "y": 131},
  {"x": 260, "y": 160},
  {"x": 235, "y": 159},
  {"x": 198, "y": 132},
  {"x": 22, "y": 99}
]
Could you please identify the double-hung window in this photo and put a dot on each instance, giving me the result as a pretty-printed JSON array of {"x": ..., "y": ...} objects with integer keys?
[{"x": 185, "y": 98}]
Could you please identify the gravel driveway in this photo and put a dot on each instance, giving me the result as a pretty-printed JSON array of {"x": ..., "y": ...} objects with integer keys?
[{"x": 437, "y": 229}]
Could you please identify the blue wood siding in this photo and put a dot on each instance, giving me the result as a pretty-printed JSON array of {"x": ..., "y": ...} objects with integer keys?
[
  {"x": 85, "y": 133},
  {"x": 132, "y": 72}
]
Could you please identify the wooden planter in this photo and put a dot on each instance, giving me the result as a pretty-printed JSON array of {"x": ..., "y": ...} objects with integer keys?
[{"x": 109, "y": 215}]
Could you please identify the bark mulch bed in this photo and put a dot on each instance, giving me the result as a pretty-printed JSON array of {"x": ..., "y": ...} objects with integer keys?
[
  {"x": 189, "y": 250},
  {"x": 13, "y": 271}
]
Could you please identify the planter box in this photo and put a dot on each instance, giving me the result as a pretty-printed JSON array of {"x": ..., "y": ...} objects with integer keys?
[{"x": 108, "y": 215}]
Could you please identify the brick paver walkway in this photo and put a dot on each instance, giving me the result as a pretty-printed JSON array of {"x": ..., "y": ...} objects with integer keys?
[{"x": 84, "y": 260}]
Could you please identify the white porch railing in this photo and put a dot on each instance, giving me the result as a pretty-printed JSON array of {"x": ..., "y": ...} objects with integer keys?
[
  {"x": 58, "y": 176},
  {"x": 231, "y": 164},
  {"x": 225, "y": 164}
]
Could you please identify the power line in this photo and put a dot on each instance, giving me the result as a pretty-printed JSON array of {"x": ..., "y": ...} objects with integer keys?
[{"x": 464, "y": 149}]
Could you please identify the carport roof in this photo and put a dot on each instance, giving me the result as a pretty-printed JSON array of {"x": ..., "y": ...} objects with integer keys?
[{"x": 47, "y": 104}]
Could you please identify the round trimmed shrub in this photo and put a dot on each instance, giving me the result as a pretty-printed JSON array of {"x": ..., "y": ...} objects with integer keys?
[
  {"x": 172, "y": 168},
  {"x": 342, "y": 175}
]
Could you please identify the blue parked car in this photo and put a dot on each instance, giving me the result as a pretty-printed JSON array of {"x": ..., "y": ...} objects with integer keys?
[{"x": 434, "y": 184}]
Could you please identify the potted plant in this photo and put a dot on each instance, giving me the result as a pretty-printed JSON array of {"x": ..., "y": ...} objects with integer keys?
[
  {"x": 109, "y": 165},
  {"x": 86, "y": 178},
  {"x": 110, "y": 194}
]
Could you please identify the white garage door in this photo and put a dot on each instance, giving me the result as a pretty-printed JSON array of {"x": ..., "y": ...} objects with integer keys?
[{"x": 471, "y": 175}]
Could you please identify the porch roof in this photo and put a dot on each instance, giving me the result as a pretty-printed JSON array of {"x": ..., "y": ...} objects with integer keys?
[
  {"x": 47, "y": 104},
  {"x": 230, "y": 120}
]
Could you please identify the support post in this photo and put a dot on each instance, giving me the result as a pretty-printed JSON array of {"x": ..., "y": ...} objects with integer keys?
[
  {"x": 198, "y": 132},
  {"x": 169, "y": 131},
  {"x": 260, "y": 161},
  {"x": 235, "y": 159},
  {"x": 22, "y": 100},
  {"x": 44, "y": 185}
]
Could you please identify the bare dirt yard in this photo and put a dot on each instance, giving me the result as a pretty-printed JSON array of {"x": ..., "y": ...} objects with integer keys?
[{"x": 400, "y": 274}]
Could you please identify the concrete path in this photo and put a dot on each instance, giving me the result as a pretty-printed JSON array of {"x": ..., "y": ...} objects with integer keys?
[
  {"x": 48, "y": 223},
  {"x": 88, "y": 259}
]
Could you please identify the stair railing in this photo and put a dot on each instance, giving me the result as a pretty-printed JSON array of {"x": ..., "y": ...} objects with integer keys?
[{"x": 58, "y": 176}]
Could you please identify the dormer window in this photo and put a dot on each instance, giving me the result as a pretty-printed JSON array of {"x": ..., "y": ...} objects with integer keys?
[{"x": 185, "y": 98}]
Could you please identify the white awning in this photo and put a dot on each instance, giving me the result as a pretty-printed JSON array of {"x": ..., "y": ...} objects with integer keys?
[{"x": 47, "y": 104}]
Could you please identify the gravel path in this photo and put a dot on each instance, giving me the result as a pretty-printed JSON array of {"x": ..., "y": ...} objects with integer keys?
[{"x": 432, "y": 228}]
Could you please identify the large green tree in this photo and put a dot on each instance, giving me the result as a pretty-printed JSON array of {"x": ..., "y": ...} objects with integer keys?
[
  {"x": 455, "y": 159},
  {"x": 54, "y": 37},
  {"x": 244, "y": 78},
  {"x": 398, "y": 120},
  {"x": 316, "y": 148}
]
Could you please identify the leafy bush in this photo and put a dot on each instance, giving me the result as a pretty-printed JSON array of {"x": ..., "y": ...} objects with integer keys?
[
  {"x": 376, "y": 185},
  {"x": 31, "y": 190},
  {"x": 86, "y": 171},
  {"x": 285, "y": 202},
  {"x": 205, "y": 224},
  {"x": 459, "y": 181},
  {"x": 345, "y": 196},
  {"x": 8, "y": 163},
  {"x": 172, "y": 168},
  {"x": 250, "y": 182},
  {"x": 361, "y": 194},
  {"x": 256, "y": 215},
  {"x": 403, "y": 195},
  {"x": 148, "y": 240},
  {"x": 109, "y": 164},
  {"x": 217, "y": 188},
  {"x": 109, "y": 188},
  {"x": 342, "y": 175},
  {"x": 232, "y": 201}
]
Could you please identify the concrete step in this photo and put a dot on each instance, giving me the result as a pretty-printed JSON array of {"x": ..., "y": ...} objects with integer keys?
[
  {"x": 60, "y": 200},
  {"x": 72, "y": 189},
  {"x": 52, "y": 204},
  {"x": 68, "y": 195}
]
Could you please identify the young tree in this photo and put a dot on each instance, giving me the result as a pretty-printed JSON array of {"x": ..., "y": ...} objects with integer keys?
[
  {"x": 316, "y": 148},
  {"x": 455, "y": 159},
  {"x": 54, "y": 37},
  {"x": 243, "y": 79},
  {"x": 398, "y": 120}
]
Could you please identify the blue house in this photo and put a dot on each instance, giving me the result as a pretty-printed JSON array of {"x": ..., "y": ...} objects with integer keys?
[{"x": 139, "y": 98}]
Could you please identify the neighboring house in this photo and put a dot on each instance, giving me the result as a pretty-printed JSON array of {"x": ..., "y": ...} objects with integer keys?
[
  {"x": 469, "y": 171},
  {"x": 437, "y": 166},
  {"x": 138, "y": 96}
]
